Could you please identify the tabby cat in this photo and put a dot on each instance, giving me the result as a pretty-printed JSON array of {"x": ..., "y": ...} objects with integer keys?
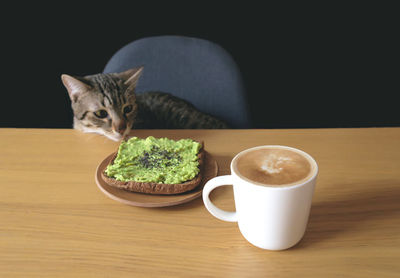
[{"x": 107, "y": 104}]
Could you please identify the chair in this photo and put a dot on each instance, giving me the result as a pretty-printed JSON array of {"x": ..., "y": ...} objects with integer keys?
[{"x": 193, "y": 69}]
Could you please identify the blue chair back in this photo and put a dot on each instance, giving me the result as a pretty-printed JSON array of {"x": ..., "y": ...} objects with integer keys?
[{"x": 193, "y": 69}]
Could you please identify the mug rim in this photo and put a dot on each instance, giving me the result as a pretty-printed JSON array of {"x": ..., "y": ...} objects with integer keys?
[{"x": 274, "y": 187}]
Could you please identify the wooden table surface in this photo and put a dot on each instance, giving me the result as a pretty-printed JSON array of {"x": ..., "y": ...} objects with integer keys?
[{"x": 55, "y": 222}]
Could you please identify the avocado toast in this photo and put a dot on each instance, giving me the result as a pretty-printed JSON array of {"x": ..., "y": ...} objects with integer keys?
[{"x": 156, "y": 166}]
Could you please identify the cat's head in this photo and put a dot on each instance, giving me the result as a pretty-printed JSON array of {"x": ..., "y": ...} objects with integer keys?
[{"x": 104, "y": 103}]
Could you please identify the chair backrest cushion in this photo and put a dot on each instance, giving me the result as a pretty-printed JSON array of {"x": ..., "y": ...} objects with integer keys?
[{"x": 193, "y": 69}]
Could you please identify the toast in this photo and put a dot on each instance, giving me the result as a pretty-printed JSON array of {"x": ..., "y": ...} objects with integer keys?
[{"x": 155, "y": 187}]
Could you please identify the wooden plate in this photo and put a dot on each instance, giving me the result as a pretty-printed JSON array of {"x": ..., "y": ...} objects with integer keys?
[{"x": 149, "y": 200}]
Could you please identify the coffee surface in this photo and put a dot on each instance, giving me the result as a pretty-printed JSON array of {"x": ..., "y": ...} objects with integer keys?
[{"x": 273, "y": 166}]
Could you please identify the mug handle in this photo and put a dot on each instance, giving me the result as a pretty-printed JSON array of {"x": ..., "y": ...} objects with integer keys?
[{"x": 210, "y": 186}]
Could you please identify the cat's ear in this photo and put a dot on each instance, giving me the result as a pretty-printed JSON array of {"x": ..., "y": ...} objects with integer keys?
[
  {"x": 131, "y": 76},
  {"x": 74, "y": 86}
]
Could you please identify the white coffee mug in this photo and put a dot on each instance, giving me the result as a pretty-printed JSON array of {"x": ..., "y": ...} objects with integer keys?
[{"x": 273, "y": 218}]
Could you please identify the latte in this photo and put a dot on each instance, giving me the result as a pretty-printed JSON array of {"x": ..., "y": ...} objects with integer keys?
[{"x": 274, "y": 166}]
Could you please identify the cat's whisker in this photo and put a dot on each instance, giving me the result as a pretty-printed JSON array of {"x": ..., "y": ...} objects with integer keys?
[
  {"x": 91, "y": 136},
  {"x": 105, "y": 140}
]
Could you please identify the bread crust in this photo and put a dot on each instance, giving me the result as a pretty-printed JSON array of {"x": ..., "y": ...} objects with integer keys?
[{"x": 158, "y": 188}]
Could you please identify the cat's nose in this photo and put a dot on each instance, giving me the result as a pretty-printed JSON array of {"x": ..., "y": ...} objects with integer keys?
[{"x": 119, "y": 127}]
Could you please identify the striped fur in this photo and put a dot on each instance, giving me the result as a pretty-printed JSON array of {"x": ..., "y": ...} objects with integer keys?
[{"x": 115, "y": 94}]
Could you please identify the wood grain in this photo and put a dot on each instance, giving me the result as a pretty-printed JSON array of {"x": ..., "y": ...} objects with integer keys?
[{"x": 55, "y": 222}]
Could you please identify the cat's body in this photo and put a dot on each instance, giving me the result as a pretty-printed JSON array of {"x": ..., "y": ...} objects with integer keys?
[
  {"x": 162, "y": 110},
  {"x": 107, "y": 104}
]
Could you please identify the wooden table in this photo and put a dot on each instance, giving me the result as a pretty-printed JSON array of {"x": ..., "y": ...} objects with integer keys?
[{"x": 56, "y": 222}]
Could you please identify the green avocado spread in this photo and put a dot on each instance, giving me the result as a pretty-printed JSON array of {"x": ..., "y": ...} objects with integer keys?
[{"x": 159, "y": 160}]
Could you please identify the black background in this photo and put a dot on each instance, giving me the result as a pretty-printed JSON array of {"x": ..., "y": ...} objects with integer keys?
[{"x": 303, "y": 66}]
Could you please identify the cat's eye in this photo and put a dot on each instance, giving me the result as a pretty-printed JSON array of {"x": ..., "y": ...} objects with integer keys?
[
  {"x": 101, "y": 114},
  {"x": 128, "y": 109}
]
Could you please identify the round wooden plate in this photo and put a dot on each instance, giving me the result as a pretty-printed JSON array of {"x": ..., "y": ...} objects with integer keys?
[{"x": 149, "y": 200}]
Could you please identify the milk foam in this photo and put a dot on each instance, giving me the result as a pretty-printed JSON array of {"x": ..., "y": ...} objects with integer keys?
[
  {"x": 274, "y": 166},
  {"x": 273, "y": 163}
]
